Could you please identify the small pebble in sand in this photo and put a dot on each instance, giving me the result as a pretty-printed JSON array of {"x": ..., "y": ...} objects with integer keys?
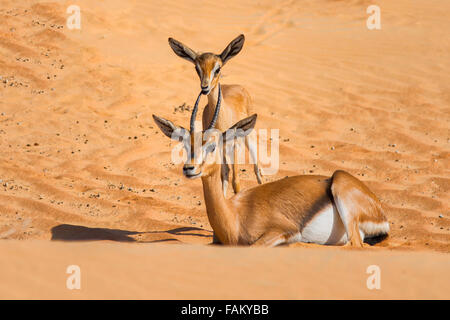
[{"x": 441, "y": 216}]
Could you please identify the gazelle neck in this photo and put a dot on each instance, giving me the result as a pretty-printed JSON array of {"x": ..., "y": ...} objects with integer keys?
[
  {"x": 213, "y": 96},
  {"x": 223, "y": 220}
]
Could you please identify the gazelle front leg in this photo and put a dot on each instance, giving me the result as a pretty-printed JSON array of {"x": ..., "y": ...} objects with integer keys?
[
  {"x": 251, "y": 146},
  {"x": 225, "y": 172},
  {"x": 215, "y": 239},
  {"x": 271, "y": 238},
  {"x": 236, "y": 182}
]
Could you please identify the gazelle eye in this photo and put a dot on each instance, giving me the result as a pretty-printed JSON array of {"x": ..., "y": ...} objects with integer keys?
[
  {"x": 210, "y": 148},
  {"x": 217, "y": 71}
]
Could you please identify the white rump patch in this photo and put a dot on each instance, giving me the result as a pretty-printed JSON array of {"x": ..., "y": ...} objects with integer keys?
[{"x": 326, "y": 227}]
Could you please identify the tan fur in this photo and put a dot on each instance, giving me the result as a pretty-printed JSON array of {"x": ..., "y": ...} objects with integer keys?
[
  {"x": 236, "y": 105},
  {"x": 365, "y": 205},
  {"x": 236, "y": 102},
  {"x": 272, "y": 213},
  {"x": 282, "y": 208}
]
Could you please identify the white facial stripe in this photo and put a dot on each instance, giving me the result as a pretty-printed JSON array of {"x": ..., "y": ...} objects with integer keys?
[
  {"x": 187, "y": 146},
  {"x": 207, "y": 148},
  {"x": 217, "y": 66},
  {"x": 213, "y": 72},
  {"x": 199, "y": 70},
  {"x": 210, "y": 150}
]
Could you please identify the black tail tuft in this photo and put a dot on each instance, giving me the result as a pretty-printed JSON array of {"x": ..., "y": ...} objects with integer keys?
[{"x": 376, "y": 239}]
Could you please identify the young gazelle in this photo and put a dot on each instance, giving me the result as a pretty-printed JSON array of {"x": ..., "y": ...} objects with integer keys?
[
  {"x": 236, "y": 102},
  {"x": 307, "y": 208}
]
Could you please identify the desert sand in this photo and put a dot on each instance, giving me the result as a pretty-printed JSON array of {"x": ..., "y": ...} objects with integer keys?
[{"x": 82, "y": 159}]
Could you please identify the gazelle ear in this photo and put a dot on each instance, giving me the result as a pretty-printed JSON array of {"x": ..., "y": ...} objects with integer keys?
[
  {"x": 169, "y": 129},
  {"x": 232, "y": 49},
  {"x": 241, "y": 128},
  {"x": 182, "y": 50}
]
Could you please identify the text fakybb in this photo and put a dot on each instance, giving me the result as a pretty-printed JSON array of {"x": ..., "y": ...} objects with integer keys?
[
  {"x": 247, "y": 309},
  {"x": 229, "y": 309}
]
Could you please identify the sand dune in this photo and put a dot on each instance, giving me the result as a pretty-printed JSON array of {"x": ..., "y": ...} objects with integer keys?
[
  {"x": 83, "y": 160},
  {"x": 38, "y": 269}
]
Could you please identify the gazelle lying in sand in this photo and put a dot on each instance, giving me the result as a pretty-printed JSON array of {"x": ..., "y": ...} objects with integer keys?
[
  {"x": 307, "y": 208},
  {"x": 236, "y": 102}
]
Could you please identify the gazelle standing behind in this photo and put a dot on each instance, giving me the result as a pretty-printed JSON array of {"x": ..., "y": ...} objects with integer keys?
[
  {"x": 305, "y": 208},
  {"x": 236, "y": 102}
]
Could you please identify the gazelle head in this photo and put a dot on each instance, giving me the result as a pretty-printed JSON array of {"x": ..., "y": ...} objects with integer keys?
[
  {"x": 208, "y": 65},
  {"x": 203, "y": 158}
]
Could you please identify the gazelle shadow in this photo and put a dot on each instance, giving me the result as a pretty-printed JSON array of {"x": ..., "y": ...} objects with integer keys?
[{"x": 69, "y": 232}]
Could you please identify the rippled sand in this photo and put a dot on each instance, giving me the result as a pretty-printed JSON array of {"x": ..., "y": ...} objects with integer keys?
[{"x": 82, "y": 159}]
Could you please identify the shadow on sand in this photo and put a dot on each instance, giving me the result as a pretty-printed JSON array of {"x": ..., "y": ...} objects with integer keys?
[{"x": 69, "y": 232}]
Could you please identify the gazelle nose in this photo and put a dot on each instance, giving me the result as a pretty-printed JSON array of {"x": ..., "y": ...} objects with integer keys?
[{"x": 188, "y": 168}]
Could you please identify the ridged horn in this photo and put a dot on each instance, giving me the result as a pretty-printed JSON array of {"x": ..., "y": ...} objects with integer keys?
[
  {"x": 216, "y": 112},
  {"x": 194, "y": 113}
]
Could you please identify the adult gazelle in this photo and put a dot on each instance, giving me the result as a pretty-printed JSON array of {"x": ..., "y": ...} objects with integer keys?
[{"x": 334, "y": 210}]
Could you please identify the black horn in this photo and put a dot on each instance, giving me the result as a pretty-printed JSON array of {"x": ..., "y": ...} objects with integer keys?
[
  {"x": 216, "y": 112},
  {"x": 194, "y": 113}
]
